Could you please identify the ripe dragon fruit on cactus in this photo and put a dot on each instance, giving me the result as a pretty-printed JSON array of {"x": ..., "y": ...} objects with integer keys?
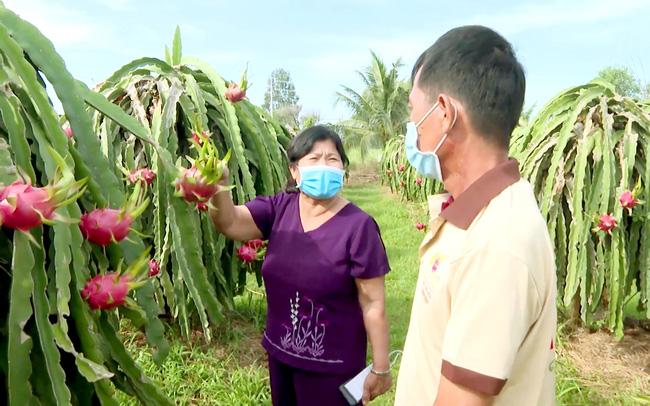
[
  {"x": 251, "y": 251},
  {"x": 104, "y": 226},
  {"x": 606, "y": 223},
  {"x": 247, "y": 254},
  {"x": 629, "y": 199},
  {"x": 237, "y": 92},
  {"x": 106, "y": 291},
  {"x": 154, "y": 268},
  {"x": 200, "y": 182},
  {"x": 110, "y": 290},
  {"x": 23, "y": 206}
]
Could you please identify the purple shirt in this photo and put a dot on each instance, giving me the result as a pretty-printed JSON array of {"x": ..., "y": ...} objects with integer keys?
[{"x": 314, "y": 320}]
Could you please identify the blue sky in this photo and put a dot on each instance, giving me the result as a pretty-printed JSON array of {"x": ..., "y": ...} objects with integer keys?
[{"x": 322, "y": 44}]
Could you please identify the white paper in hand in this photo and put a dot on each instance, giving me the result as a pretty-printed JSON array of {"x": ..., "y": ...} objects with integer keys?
[{"x": 353, "y": 389}]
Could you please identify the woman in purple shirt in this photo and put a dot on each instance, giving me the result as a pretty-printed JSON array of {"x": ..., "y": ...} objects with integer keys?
[{"x": 324, "y": 277}]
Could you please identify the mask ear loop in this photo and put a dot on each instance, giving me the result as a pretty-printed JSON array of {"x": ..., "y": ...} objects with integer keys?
[
  {"x": 447, "y": 132},
  {"x": 426, "y": 115}
]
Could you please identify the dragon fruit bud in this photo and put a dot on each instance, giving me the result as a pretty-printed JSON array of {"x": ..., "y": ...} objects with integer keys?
[
  {"x": 401, "y": 168},
  {"x": 418, "y": 181},
  {"x": 607, "y": 223},
  {"x": 105, "y": 292},
  {"x": 420, "y": 226},
  {"x": 246, "y": 254},
  {"x": 68, "y": 132},
  {"x": 154, "y": 268},
  {"x": 145, "y": 175},
  {"x": 200, "y": 138}
]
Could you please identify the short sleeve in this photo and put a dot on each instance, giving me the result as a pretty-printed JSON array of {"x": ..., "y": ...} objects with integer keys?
[
  {"x": 367, "y": 252},
  {"x": 264, "y": 209},
  {"x": 494, "y": 301}
]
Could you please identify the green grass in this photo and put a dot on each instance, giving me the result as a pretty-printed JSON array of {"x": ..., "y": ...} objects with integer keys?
[
  {"x": 232, "y": 370},
  {"x": 364, "y": 160}
]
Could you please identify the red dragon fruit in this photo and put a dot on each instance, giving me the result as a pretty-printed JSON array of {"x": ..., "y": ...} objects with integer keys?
[
  {"x": 106, "y": 225},
  {"x": 247, "y": 254},
  {"x": 237, "y": 92},
  {"x": 401, "y": 168},
  {"x": 110, "y": 290},
  {"x": 251, "y": 251},
  {"x": 200, "y": 182},
  {"x": 606, "y": 223},
  {"x": 154, "y": 268},
  {"x": 629, "y": 199},
  {"x": 194, "y": 187},
  {"x": 418, "y": 181},
  {"x": 145, "y": 175},
  {"x": 106, "y": 291},
  {"x": 23, "y": 206}
]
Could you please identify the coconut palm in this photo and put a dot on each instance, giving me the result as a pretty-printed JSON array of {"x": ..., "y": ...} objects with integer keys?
[{"x": 380, "y": 110}]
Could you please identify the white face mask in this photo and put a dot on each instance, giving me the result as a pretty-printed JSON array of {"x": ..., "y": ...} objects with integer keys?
[{"x": 425, "y": 163}]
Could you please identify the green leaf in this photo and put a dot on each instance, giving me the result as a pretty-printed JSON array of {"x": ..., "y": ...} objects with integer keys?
[
  {"x": 7, "y": 169},
  {"x": 145, "y": 390},
  {"x": 188, "y": 255},
  {"x": 177, "y": 51},
  {"x": 19, "y": 146},
  {"x": 20, "y": 311},
  {"x": 45, "y": 332},
  {"x": 231, "y": 130}
]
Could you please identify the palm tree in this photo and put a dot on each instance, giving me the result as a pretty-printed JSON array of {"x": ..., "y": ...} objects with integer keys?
[{"x": 380, "y": 111}]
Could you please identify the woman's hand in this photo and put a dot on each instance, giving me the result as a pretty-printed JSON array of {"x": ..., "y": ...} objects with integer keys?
[
  {"x": 371, "y": 299},
  {"x": 375, "y": 385}
]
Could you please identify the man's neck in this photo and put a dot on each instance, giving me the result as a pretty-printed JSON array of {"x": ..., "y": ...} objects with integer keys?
[{"x": 469, "y": 164}]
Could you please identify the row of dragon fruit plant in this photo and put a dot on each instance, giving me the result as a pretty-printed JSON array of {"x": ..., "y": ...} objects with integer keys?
[
  {"x": 587, "y": 156},
  {"x": 103, "y": 214}
]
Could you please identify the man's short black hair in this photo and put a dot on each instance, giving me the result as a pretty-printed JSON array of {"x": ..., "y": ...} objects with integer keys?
[{"x": 477, "y": 66}]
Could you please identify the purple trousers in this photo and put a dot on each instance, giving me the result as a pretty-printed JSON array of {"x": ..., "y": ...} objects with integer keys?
[{"x": 296, "y": 387}]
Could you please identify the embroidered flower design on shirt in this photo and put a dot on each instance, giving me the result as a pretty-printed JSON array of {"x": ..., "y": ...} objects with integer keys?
[
  {"x": 435, "y": 266},
  {"x": 307, "y": 330}
]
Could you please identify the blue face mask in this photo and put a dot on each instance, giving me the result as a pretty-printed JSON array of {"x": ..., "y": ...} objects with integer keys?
[
  {"x": 425, "y": 163},
  {"x": 320, "y": 182}
]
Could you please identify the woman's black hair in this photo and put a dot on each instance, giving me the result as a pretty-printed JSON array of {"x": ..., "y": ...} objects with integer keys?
[{"x": 304, "y": 142}]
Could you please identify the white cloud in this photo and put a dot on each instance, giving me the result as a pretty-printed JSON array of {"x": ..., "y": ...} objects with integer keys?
[
  {"x": 63, "y": 26},
  {"x": 550, "y": 14},
  {"x": 117, "y": 5}
]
